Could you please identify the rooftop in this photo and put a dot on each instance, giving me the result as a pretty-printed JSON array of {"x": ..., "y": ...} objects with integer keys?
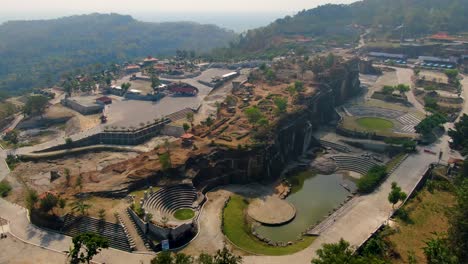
[{"x": 387, "y": 55}]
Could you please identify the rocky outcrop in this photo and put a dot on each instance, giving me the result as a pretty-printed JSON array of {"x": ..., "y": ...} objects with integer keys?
[{"x": 265, "y": 162}]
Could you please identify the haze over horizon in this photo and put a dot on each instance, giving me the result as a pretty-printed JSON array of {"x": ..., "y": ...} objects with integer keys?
[{"x": 238, "y": 15}]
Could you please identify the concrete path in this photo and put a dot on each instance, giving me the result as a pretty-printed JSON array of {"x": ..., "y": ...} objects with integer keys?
[{"x": 404, "y": 76}]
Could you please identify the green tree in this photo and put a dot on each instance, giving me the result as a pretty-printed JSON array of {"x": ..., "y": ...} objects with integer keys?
[
  {"x": 12, "y": 137},
  {"x": 164, "y": 257},
  {"x": 165, "y": 160},
  {"x": 270, "y": 75},
  {"x": 31, "y": 199},
  {"x": 5, "y": 188},
  {"x": 102, "y": 214},
  {"x": 190, "y": 117},
  {"x": 396, "y": 195},
  {"x": 387, "y": 89},
  {"x": 48, "y": 202},
  {"x": 253, "y": 114},
  {"x": 85, "y": 247},
  {"x": 403, "y": 88},
  {"x": 281, "y": 104},
  {"x": 205, "y": 259},
  {"x": 62, "y": 203},
  {"x": 224, "y": 256},
  {"x": 437, "y": 251},
  {"x": 459, "y": 135},
  {"x": 80, "y": 207},
  {"x": 69, "y": 142},
  {"x": 66, "y": 171},
  {"x": 186, "y": 127},
  {"x": 299, "y": 86},
  {"x": 181, "y": 258},
  {"x": 35, "y": 105},
  {"x": 458, "y": 230},
  {"x": 125, "y": 87},
  {"x": 451, "y": 73},
  {"x": 209, "y": 121},
  {"x": 335, "y": 253},
  {"x": 79, "y": 182},
  {"x": 427, "y": 125}
]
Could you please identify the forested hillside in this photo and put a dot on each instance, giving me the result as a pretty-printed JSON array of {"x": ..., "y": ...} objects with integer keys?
[
  {"x": 339, "y": 23},
  {"x": 35, "y": 53}
]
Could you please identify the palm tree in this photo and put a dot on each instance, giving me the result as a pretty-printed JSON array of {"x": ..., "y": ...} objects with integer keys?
[{"x": 81, "y": 207}]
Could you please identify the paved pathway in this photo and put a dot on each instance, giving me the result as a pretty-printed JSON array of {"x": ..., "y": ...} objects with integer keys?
[{"x": 404, "y": 76}]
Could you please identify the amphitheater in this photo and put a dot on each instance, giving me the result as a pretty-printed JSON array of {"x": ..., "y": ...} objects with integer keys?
[
  {"x": 167, "y": 200},
  {"x": 406, "y": 121},
  {"x": 354, "y": 163}
]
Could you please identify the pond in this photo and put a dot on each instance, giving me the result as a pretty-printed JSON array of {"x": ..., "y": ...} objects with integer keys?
[{"x": 314, "y": 196}]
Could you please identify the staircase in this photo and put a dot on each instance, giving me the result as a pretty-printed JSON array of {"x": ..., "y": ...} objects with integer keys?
[{"x": 139, "y": 239}]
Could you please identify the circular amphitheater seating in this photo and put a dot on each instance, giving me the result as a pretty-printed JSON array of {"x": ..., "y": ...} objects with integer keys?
[
  {"x": 356, "y": 164},
  {"x": 167, "y": 200},
  {"x": 373, "y": 111}
]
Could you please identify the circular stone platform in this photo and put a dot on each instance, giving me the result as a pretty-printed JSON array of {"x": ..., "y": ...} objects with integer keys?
[{"x": 271, "y": 210}]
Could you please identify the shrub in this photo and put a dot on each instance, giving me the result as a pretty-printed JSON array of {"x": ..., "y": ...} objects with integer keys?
[
  {"x": 370, "y": 181},
  {"x": 5, "y": 188}
]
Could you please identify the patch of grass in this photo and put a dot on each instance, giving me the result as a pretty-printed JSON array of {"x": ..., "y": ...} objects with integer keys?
[
  {"x": 375, "y": 124},
  {"x": 184, "y": 214},
  {"x": 237, "y": 230},
  {"x": 428, "y": 213},
  {"x": 5, "y": 188}
]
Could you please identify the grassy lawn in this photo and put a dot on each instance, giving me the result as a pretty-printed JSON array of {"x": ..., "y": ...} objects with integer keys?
[
  {"x": 184, "y": 214},
  {"x": 237, "y": 230},
  {"x": 428, "y": 213},
  {"x": 375, "y": 124}
]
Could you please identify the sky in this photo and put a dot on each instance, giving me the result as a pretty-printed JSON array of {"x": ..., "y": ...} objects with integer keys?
[{"x": 224, "y": 13}]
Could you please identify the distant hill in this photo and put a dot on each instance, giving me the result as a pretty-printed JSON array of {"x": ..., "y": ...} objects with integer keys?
[
  {"x": 340, "y": 23},
  {"x": 34, "y": 53}
]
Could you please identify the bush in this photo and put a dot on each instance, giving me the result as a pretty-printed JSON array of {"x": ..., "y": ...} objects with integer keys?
[
  {"x": 370, "y": 181},
  {"x": 5, "y": 188}
]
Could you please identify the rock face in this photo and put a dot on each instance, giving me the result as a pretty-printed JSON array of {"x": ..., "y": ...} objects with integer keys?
[
  {"x": 324, "y": 165},
  {"x": 293, "y": 138}
]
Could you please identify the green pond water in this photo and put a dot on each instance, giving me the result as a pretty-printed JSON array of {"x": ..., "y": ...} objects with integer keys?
[{"x": 314, "y": 196}]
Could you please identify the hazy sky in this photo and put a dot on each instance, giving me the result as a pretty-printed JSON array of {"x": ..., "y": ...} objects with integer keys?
[
  {"x": 133, "y": 6},
  {"x": 238, "y": 15}
]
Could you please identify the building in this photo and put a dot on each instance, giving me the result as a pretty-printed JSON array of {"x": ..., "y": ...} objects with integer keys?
[
  {"x": 85, "y": 105},
  {"x": 183, "y": 89},
  {"x": 150, "y": 60},
  {"x": 104, "y": 100},
  {"x": 437, "y": 61},
  {"x": 388, "y": 56},
  {"x": 442, "y": 37},
  {"x": 132, "y": 69}
]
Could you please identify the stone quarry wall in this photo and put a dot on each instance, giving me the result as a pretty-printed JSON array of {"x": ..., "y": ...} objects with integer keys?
[{"x": 293, "y": 138}]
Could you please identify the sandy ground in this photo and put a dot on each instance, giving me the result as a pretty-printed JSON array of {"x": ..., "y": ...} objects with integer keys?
[{"x": 37, "y": 174}]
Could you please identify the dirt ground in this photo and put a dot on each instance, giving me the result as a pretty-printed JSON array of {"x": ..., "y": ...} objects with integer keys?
[
  {"x": 436, "y": 76},
  {"x": 36, "y": 175}
]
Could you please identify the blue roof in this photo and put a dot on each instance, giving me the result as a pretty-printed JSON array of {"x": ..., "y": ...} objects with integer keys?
[{"x": 387, "y": 55}]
